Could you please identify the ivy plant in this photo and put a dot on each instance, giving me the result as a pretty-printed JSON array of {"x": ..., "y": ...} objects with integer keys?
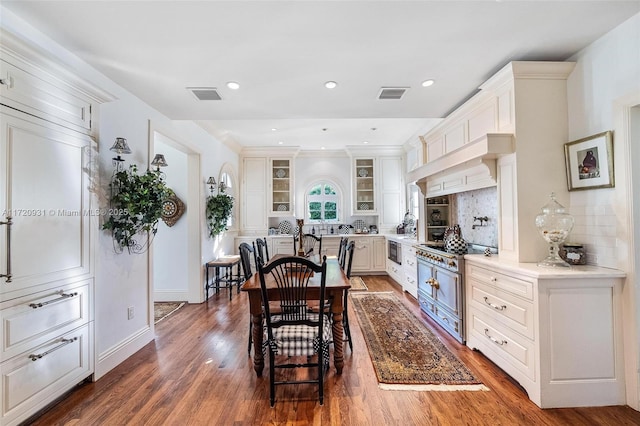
[
  {"x": 218, "y": 213},
  {"x": 135, "y": 206}
]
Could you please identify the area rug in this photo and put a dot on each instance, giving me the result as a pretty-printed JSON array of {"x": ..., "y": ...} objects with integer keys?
[
  {"x": 406, "y": 355},
  {"x": 161, "y": 310},
  {"x": 357, "y": 284}
]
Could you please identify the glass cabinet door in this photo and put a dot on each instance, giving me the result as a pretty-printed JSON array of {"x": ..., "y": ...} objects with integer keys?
[
  {"x": 281, "y": 199},
  {"x": 365, "y": 202}
]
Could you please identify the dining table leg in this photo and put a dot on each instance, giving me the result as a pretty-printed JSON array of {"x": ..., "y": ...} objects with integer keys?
[
  {"x": 338, "y": 331},
  {"x": 255, "y": 306}
]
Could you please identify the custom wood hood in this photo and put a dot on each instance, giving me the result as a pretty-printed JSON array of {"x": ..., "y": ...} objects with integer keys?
[{"x": 472, "y": 166}]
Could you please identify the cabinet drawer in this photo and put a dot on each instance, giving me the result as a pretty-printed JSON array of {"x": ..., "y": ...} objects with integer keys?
[
  {"x": 447, "y": 320},
  {"x": 33, "y": 379},
  {"x": 503, "y": 307},
  {"x": 32, "y": 320},
  {"x": 410, "y": 285},
  {"x": 494, "y": 339},
  {"x": 502, "y": 281}
]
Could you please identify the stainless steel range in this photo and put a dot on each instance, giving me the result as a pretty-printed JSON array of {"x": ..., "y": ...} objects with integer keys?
[{"x": 441, "y": 288}]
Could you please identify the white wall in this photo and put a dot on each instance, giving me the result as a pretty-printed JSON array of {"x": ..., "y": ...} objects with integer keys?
[
  {"x": 170, "y": 262},
  {"x": 603, "y": 86},
  {"x": 122, "y": 280}
]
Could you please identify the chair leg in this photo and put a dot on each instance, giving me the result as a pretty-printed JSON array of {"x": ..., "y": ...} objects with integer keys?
[
  {"x": 272, "y": 378},
  {"x": 250, "y": 336},
  {"x": 347, "y": 331},
  {"x": 321, "y": 375}
]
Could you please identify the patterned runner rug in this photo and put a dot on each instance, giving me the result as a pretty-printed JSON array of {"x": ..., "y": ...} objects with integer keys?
[
  {"x": 161, "y": 310},
  {"x": 406, "y": 355},
  {"x": 357, "y": 284}
]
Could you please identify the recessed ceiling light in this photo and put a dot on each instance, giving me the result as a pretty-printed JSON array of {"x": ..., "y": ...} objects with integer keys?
[
  {"x": 331, "y": 85},
  {"x": 322, "y": 147},
  {"x": 365, "y": 142},
  {"x": 427, "y": 83},
  {"x": 273, "y": 129},
  {"x": 280, "y": 142},
  {"x": 233, "y": 85}
]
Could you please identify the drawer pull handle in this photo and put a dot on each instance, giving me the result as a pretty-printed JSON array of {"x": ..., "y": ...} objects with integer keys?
[
  {"x": 493, "y": 339},
  {"x": 62, "y": 297},
  {"x": 8, "y": 222},
  {"x": 496, "y": 307},
  {"x": 445, "y": 319},
  {"x": 493, "y": 279},
  {"x": 65, "y": 342}
]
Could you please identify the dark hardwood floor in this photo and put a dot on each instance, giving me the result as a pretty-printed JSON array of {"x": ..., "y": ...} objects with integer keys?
[{"x": 197, "y": 372}]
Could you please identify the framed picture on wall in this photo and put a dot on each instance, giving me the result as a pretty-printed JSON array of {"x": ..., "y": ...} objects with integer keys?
[{"x": 590, "y": 162}]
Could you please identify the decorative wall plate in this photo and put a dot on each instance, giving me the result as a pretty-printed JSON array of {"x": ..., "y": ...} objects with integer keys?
[
  {"x": 364, "y": 206},
  {"x": 363, "y": 173},
  {"x": 359, "y": 224},
  {"x": 280, "y": 173},
  {"x": 282, "y": 208},
  {"x": 172, "y": 209},
  {"x": 285, "y": 227}
]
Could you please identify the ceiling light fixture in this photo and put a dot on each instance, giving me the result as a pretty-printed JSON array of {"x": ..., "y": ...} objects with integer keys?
[
  {"x": 233, "y": 85},
  {"x": 427, "y": 83},
  {"x": 331, "y": 85},
  {"x": 365, "y": 142},
  {"x": 280, "y": 142},
  {"x": 273, "y": 129}
]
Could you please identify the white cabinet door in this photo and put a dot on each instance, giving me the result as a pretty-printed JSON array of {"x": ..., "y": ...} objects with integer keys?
[
  {"x": 254, "y": 206},
  {"x": 391, "y": 191},
  {"x": 44, "y": 170},
  {"x": 379, "y": 254},
  {"x": 361, "y": 256}
]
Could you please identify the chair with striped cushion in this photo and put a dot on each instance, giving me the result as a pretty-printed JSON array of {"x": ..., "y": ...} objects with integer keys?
[{"x": 295, "y": 331}]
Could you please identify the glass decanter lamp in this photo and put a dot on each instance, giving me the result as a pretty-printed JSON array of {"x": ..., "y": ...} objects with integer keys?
[{"x": 554, "y": 225}]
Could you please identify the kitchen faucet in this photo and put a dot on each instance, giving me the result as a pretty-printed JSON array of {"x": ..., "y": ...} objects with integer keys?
[{"x": 482, "y": 220}]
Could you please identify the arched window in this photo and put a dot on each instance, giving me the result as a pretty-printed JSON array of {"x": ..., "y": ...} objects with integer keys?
[{"x": 323, "y": 203}]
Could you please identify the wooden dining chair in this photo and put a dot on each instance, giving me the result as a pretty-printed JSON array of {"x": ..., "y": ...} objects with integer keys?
[
  {"x": 246, "y": 251},
  {"x": 262, "y": 250},
  {"x": 349, "y": 250},
  {"x": 295, "y": 331},
  {"x": 342, "y": 250},
  {"x": 312, "y": 245}
]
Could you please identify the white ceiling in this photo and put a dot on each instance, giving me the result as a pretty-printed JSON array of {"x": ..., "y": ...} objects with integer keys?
[{"x": 282, "y": 52}]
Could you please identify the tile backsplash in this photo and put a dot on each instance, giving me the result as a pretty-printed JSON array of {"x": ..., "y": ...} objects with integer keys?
[{"x": 477, "y": 203}]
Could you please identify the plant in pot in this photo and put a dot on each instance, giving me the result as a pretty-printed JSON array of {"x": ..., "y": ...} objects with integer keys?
[
  {"x": 135, "y": 207},
  {"x": 218, "y": 212}
]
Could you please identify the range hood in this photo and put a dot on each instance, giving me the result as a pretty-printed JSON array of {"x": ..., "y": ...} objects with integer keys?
[{"x": 472, "y": 166}]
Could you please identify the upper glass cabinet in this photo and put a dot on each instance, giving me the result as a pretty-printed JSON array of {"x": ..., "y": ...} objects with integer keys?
[
  {"x": 364, "y": 179},
  {"x": 281, "y": 197}
]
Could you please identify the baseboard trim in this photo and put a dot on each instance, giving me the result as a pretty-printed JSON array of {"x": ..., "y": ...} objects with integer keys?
[{"x": 115, "y": 355}]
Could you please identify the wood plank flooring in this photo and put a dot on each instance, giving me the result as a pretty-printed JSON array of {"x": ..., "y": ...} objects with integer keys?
[{"x": 198, "y": 372}]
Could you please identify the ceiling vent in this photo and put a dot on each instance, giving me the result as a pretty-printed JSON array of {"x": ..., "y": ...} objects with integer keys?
[
  {"x": 392, "y": 92},
  {"x": 206, "y": 93}
]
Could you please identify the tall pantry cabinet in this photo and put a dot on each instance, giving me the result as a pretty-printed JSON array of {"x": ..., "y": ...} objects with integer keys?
[{"x": 48, "y": 232}]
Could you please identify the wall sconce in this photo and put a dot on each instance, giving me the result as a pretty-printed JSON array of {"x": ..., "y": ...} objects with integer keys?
[
  {"x": 159, "y": 161},
  {"x": 212, "y": 184},
  {"x": 120, "y": 146}
]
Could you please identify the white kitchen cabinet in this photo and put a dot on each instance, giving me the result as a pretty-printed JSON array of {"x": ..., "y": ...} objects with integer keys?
[
  {"x": 364, "y": 186},
  {"x": 330, "y": 245},
  {"x": 558, "y": 332},
  {"x": 47, "y": 160},
  {"x": 254, "y": 194},
  {"x": 282, "y": 245},
  {"x": 281, "y": 174},
  {"x": 409, "y": 269},
  {"x": 379, "y": 254},
  {"x": 392, "y": 189}
]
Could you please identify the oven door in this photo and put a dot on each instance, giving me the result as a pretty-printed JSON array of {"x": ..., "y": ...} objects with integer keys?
[{"x": 395, "y": 252}]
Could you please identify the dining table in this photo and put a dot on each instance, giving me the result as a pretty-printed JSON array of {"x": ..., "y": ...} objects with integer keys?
[{"x": 336, "y": 285}]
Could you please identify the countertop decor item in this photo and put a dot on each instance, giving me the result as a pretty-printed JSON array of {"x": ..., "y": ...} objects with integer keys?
[
  {"x": 554, "y": 225},
  {"x": 454, "y": 243},
  {"x": 285, "y": 227},
  {"x": 573, "y": 254}
]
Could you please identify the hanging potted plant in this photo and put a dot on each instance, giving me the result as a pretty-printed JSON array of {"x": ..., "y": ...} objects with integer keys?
[
  {"x": 135, "y": 207},
  {"x": 218, "y": 212}
]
